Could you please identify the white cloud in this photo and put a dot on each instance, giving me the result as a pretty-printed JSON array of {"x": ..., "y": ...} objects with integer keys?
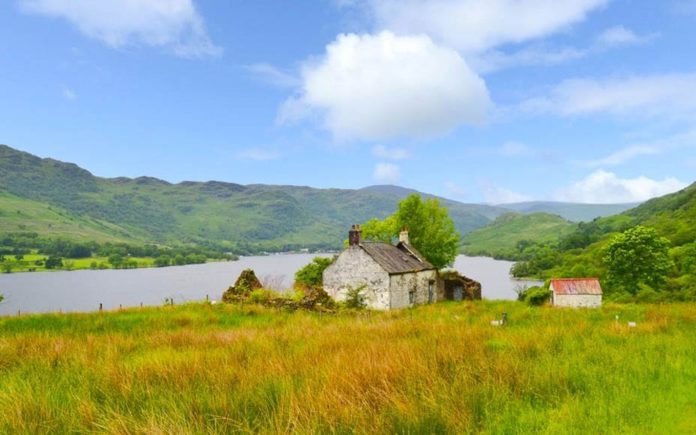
[
  {"x": 495, "y": 60},
  {"x": 625, "y": 154},
  {"x": 494, "y": 194},
  {"x": 274, "y": 75},
  {"x": 258, "y": 154},
  {"x": 394, "y": 153},
  {"x": 68, "y": 93},
  {"x": 620, "y": 35},
  {"x": 478, "y": 25},
  {"x": 667, "y": 96},
  {"x": 387, "y": 173},
  {"x": 602, "y": 187},
  {"x": 382, "y": 86},
  {"x": 174, "y": 24}
]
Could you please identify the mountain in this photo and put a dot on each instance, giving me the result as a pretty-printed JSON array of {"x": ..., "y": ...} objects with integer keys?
[
  {"x": 570, "y": 211},
  {"x": 579, "y": 253},
  {"x": 55, "y": 198},
  {"x": 501, "y": 237}
]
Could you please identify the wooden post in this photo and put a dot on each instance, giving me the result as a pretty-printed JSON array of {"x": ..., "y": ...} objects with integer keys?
[
  {"x": 207, "y": 298},
  {"x": 120, "y": 307},
  {"x": 503, "y": 318},
  {"x": 101, "y": 307},
  {"x": 141, "y": 305}
]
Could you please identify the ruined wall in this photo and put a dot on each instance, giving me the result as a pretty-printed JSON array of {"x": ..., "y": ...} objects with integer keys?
[
  {"x": 409, "y": 289},
  {"x": 353, "y": 268},
  {"x": 577, "y": 301}
]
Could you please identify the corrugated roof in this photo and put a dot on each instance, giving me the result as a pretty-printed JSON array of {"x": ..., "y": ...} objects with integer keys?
[
  {"x": 396, "y": 259},
  {"x": 576, "y": 286}
]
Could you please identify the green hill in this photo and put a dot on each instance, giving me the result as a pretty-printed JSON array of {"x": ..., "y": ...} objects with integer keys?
[
  {"x": 504, "y": 237},
  {"x": 579, "y": 253},
  {"x": 62, "y": 199},
  {"x": 570, "y": 211}
]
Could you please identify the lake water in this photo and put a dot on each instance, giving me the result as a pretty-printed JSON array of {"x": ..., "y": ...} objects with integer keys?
[{"x": 84, "y": 290}]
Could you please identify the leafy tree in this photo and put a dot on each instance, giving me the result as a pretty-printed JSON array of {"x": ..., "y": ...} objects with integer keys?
[
  {"x": 310, "y": 276},
  {"x": 115, "y": 260},
  {"x": 163, "y": 261},
  {"x": 637, "y": 256},
  {"x": 431, "y": 230},
  {"x": 53, "y": 262}
]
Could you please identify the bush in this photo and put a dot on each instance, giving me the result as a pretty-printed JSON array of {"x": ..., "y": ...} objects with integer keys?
[
  {"x": 536, "y": 296},
  {"x": 53, "y": 262},
  {"x": 311, "y": 275},
  {"x": 355, "y": 298},
  {"x": 261, "y": 296}
]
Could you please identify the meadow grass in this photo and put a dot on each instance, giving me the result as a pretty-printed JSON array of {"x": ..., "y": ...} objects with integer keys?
[{"x": 442, "y": 368}]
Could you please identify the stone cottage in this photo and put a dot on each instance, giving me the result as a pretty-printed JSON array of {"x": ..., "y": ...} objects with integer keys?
[
  {"x": 576, "y": 292},
  {"x": 392, "y": 276}
]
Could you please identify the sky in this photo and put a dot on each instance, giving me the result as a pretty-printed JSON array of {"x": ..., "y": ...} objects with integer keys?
[{"x": 493, "y": 101}]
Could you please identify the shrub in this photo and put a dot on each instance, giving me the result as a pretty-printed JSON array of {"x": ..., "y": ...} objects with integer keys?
[
  {"x": 536, "y": 296},
  {"x": 355, "y": 298},
  {"x": 261, "y": 296},
  {"x": 53, "y": 262}
]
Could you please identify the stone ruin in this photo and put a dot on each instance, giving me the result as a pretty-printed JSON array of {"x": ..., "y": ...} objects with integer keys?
[
  {"x": 242, "y": 288},
  {"x": 456, "y": 286}
]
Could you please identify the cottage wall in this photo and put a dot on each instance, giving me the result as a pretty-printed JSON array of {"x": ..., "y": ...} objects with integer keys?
[
  {"x": 352, "y": 269},
  {"x": 577, "y": 301},
  {"x": 409, "y": 289}
]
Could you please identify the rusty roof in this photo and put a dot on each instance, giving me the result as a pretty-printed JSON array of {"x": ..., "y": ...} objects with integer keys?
[
  {"x": 396, "y": 259},
  {"x": 576, "y": 286}
]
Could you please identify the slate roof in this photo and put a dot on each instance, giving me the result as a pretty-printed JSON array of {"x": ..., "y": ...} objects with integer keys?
[
  {"x": 576, "y": 286},
  {"x": 402, "y": 258}
]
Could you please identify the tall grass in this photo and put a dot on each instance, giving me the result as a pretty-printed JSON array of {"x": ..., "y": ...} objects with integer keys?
[{"x": 434, "y": 369}]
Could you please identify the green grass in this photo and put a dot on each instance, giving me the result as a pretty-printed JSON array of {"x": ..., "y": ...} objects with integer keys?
[
  {"x": 434, "y": 369},
  {"x": 28, "y": 263}
]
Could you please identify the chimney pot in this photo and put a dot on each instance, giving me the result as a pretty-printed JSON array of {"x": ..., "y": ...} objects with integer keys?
[
  {"x": 403, "y": 237},
  {"x": 354, "y": 235}
]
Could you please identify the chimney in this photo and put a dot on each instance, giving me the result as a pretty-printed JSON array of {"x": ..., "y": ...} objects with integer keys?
[
  {"x": 354, "y": 235},
  {"x": 403, "y": 237}
]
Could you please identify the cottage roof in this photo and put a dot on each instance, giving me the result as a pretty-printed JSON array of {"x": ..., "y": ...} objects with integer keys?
[
  {"x": 576, "y": 286},
  {"x": 402, "y": 258}
]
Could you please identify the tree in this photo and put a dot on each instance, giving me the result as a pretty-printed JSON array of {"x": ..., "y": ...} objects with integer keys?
[
  {"x": 53, "y": 262},
  {"x": 311, "y": 275},
  {"x": 637, "y": 256},
  {"x": 431, "y": 230}
]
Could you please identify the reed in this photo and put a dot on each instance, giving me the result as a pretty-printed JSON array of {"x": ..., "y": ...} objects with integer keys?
[{"x": 204, "y": 368}]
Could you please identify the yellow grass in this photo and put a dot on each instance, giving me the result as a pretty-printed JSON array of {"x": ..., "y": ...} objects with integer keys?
[{"x": 434, "y": 369}]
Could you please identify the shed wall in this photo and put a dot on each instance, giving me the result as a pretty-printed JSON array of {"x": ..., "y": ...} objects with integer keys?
[{"x": 577, "y": 301}]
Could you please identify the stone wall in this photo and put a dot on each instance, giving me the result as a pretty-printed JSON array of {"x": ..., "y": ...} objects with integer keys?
[
  {"x": 354, "y": 268},
  {"x": 409, "y": 289},
  {"x": 577, "y": 301}
]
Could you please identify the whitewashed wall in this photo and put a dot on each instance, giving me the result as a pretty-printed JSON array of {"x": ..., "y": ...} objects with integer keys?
[
  {"x": 577, "y": 301},
  {"x": 354, "y": 268}
]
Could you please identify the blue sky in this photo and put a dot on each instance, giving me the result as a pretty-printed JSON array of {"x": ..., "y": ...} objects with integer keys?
[{"x": 476, "y": 100}]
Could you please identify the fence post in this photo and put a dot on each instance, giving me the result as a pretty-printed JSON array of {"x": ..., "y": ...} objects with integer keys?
[{"x": 101, "y": 307}]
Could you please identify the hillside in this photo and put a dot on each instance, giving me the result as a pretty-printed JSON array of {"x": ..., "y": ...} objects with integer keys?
[
  {"x": 579, "y": 253},
  {"x": 503, "y": 237},
  {"x": 62, "y": 199},
  {"x": 570, "y": 211}
]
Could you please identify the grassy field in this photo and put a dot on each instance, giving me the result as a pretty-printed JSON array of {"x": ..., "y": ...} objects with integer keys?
[
  {"x": 28, "y": 263},
  {"x": 434, "y": 369}
]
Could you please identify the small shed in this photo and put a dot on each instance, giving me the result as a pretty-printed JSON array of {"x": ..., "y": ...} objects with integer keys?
[{"x": 576, "y": 292}]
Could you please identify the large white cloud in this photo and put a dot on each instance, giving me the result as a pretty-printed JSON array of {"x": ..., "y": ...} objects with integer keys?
[
  {"x": 478, "y": 25},
  {"x": 174, "y": 24},
  {"x": 384, "y": 86},
  {"x": 602, "y": 187}
]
